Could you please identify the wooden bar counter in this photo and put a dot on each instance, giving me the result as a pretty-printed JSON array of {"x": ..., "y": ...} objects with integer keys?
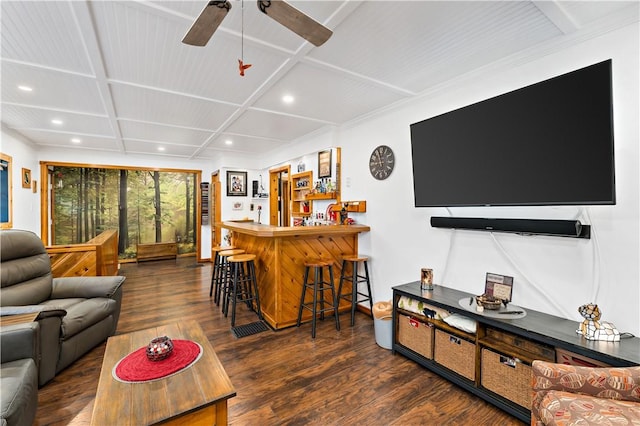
[{"x": 280, "y": 256}]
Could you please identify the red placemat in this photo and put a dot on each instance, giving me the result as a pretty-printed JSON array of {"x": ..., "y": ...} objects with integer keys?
[{"x": 136, "y": 367}]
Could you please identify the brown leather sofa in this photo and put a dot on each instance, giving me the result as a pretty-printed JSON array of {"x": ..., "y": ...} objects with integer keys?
[
  {"x": 74, "y": 314},
  {"x": 578, "y": 395},
  {"x": 19, "y": 374}
]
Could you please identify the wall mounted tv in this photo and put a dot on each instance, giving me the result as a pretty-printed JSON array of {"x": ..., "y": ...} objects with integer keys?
[{"x": 550, "y": 143}]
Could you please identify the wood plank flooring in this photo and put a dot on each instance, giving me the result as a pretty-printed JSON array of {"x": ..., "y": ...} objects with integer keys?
[{"x": 281, "y": 378}]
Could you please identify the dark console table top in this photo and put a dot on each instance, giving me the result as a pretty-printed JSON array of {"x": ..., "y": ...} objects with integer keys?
[{"x": 552, "y": 330}]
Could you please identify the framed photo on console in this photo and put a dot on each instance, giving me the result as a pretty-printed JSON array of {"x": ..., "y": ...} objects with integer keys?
[
  {"x": 498, "y": 286},
  {"x": 236, "y": 184}
]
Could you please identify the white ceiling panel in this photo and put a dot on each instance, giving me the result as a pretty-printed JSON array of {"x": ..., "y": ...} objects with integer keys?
[
  {"x": 272, "y": 126},
  {"x": 51, "y": 89},
  {"x": 325, "y": 94},
  {"x": 586, "y": 12},
  {"x": 145, "y": 48},
  {"x": 43, "y": 33},
  {"x": 135, "y": 103},
  {"x": 436, "y": 41},
  {"x": 158, "y": 148},
  {"x": 151, "y": 132},
  {"x": 244, "y": 144},
  {"x": 63, "y": 140},
  {"x": 118, "y": 75},
  {"x": 22, "y": 118}
]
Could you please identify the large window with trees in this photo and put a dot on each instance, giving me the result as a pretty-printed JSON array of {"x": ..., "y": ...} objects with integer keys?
[{"x": 145, "y": 206}]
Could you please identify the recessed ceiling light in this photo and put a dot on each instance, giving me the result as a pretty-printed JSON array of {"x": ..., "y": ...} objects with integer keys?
[
  {"x": 228, "y": 142},
  {"x": 76, "y": 140},
  {"x": 56, "y": 121},
  {"x": 25, "y": 88},
  {"x": 161, "y": 148},
  {"x": 288, "y": 99}
]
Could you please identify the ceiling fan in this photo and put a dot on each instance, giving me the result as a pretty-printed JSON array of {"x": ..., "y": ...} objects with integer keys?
[{"x": 215, "y": 11}]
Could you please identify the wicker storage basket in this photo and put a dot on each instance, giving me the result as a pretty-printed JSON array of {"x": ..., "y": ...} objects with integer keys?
[
  {"x": 507, "y": 377},
  {"x": 415, "y": 335},
  {"x": 455, "y": 353}
]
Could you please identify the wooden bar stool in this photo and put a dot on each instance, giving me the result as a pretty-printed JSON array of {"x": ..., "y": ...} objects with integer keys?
[
  {"x": 318, "y": 286},
  {"x": 243, "y": 286},
  {"x": 216, "y": 275},
  {"x": 355, "y": 278},
  {"x": 225, "y": 275}
]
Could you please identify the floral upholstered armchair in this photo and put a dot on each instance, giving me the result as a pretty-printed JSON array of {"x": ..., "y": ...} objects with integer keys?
[{"x": 578, "y": 395}]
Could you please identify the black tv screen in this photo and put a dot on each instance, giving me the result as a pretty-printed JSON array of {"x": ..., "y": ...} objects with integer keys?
[{"x": 550, "y": 143}]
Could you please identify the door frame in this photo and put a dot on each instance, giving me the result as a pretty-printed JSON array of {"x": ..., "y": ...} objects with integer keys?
[{"x": 275, "y": 175}]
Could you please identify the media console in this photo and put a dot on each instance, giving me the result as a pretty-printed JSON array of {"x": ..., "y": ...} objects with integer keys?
[{"x": 494, "y": 361}]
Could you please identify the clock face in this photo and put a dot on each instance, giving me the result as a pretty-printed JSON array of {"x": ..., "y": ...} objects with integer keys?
[{"x": 381, "y": 162}]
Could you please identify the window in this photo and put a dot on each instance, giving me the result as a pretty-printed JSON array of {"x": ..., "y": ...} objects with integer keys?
[{"x": 145, "y": 206}]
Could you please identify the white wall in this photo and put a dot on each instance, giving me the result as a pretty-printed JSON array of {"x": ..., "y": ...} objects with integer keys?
[
  {"x": 552, "y": 274},
  {"x": 26, "y": 203}
]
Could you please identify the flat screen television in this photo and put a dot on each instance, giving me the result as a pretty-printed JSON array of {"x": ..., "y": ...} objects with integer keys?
[{"x": 550, "y": 143}]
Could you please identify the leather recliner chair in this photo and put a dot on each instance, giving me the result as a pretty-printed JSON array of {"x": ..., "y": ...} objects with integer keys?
[{"x": 75, "y": 314}]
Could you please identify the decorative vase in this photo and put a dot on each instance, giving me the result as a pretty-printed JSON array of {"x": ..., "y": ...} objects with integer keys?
[{"x": 159, "y": 348}]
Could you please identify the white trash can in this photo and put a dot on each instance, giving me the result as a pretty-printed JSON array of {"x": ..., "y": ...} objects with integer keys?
[{"x": 382, "y": 324}]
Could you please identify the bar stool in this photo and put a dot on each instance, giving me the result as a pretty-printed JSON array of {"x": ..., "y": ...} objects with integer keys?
[
  {"x": 318, "y": 286},
  {"x": 216, "y": 276},
  {"x": 355, "y": 279},
  {"x": 224, "y": 275},
  {"x": 243, "y": 286}
]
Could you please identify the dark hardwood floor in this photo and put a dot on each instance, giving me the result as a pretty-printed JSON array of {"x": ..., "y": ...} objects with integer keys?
[{"x": 281, "y": 378}]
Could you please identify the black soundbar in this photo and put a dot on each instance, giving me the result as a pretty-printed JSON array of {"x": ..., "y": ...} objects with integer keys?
[{"x": 559, "y": 228}]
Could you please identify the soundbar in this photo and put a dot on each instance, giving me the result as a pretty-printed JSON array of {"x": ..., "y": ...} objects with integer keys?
[{"x": 559, "y": 228}]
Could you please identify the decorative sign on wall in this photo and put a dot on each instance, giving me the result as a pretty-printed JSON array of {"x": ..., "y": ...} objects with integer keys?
[{"x": 204, "y": 202}]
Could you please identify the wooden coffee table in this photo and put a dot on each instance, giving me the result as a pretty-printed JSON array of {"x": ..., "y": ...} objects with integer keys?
[{"x": 195, "y": 396}]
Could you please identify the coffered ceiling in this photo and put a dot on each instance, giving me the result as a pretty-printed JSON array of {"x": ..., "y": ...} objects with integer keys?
[{"x": 118, "y": 78}]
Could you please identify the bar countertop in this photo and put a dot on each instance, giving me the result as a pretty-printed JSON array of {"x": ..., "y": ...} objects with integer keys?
[{"x": 260, "y": 230}]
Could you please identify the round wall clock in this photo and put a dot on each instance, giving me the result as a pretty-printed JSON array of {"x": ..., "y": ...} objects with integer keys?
[{"x": 381, "y": 162}]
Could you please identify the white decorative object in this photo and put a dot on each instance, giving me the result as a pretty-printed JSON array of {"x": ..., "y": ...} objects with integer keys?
[{"x": 594, "y": 329}]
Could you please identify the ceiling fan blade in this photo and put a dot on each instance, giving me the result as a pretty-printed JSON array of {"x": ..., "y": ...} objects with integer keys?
[
  {"x": 298, "y": 22},
  {"x": 206, "y": 23}
]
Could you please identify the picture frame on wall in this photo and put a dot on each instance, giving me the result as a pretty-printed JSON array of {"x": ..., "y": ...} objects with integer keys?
[
  {"x": 26, "y": 178},
  {"x": 236, "y": 184},
  {"x": 324, "y": 164}
]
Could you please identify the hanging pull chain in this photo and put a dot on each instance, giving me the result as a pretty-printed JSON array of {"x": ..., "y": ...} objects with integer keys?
[{"x": 241, "y": 64}]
